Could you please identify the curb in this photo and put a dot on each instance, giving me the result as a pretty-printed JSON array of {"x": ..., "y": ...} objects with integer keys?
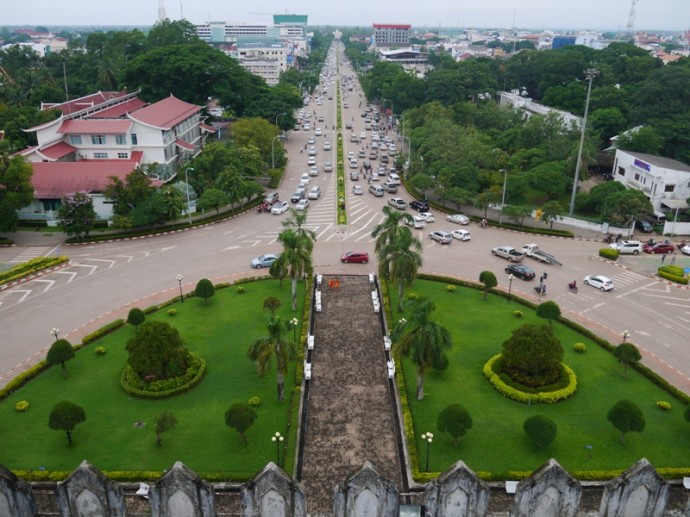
[{"x": 34, "y": 276}]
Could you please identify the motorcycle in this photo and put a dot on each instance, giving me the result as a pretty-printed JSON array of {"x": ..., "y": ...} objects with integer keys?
[
  {"x": 540, "y": 289},
  {"x": 572, "y": 286}
]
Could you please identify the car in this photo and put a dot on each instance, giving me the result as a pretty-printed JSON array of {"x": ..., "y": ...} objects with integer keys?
[
  {"x": 271, "y": 197},
  {"x": 458, "y": 219},
  {"x": 311, "y": 161},
  {"x": 508, "y": 252},
  {"x": 320, "y": 118},
  {"x": 600, "y": 282},
  {"x": 328, "y": 167},
  {"x": 427, "y": 216},
  {"x": 461, "y": 235},
  {"x": 311, "y": 140},
  {"x": 685, "y": 250},
  {"x": 441, "y": 237},
  {"x": 375, "y": 176},
  {"x": 318, "y": 131},
  {"x": 362, "y": 135},
  {"x": 302, "y": 205},
  {"x": 420, "y": 206},
  {"x": 306, "y": 127},
  {"x": 312, "y": 151},
  {"x": 415, "y": 222},
  {"x": 644, "y": 226},
  {"x": 314, "y": 192},
  {"x": 398, "y": 203},
  {"x": 348, "y": 125},
  {"x": 520, "y": 271},
  {"x": 659, "y": 247},
  {"x": 354, "y": 176},
  {"x": 264, "y": 260},
  {"x": 391, "y": 189},
  {"x": 627, "y": 247},
  {"x": 362, "y": 153},
  {"x": 326, "y": 146},
  {"x": 297, "y": 196},
  {"x": 355, "y": 257},
  {"x": 357, "y": 190},
  {"x": 304, "y": 178},
  {"x": 279, "y": 208},
  {"x": 393, "y": 178}
]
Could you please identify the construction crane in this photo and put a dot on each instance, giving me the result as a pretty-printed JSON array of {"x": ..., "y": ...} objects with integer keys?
[{"x": 631, "y": 18}]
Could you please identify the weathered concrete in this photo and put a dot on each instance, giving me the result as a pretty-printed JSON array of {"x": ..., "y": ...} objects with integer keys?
[{"x": 87, "y": 492}]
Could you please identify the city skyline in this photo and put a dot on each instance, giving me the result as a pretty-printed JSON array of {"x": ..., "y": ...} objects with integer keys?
[{"x": 660, "y": 15}]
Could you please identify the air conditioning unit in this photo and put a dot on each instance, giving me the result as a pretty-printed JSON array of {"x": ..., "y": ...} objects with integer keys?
[{"x": 82, "y": 156}]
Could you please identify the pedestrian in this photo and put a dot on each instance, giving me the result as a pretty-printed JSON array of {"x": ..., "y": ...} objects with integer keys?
[
  {"x": 663, "y": 258},
  {"x": 673, "y": 258}
]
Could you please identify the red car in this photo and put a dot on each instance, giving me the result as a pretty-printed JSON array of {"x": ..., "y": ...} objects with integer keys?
[
  {"x": 355, "y": 257},
  {"x": 659, "y": 247}
]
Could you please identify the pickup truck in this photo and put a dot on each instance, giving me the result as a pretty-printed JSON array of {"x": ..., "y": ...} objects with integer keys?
[
  {"x": 509, "y": 253},
  {"x": 532, "y": 250}
]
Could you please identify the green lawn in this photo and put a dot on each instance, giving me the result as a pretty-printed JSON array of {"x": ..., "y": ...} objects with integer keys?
[
  {"x": 496, "y": 442},
  {"x": 221, "y": 333}
]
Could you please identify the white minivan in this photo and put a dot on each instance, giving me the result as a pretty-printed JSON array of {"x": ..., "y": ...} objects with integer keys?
[{"x": 377, "y": 190}]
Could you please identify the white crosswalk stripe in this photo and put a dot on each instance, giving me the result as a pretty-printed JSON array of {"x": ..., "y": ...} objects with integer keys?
[
  {"x": 627, "y": 278},
  {"x": 31, "y": 253}
]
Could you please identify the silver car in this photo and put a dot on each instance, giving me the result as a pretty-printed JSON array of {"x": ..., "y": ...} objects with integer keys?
[
  {"x": 458, "y": 219},
  {"x": 441, "y": 237}
]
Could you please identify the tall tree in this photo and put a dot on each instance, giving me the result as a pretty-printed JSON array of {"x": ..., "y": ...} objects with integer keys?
[
  {"x": 77, "y": 215},
  {"x": 65, "y": 416},
  {"x": 130, "y": 193},
  {"x": 296, "y": 223},
  {"x": 275, "y": 345},
  {"x": 454, "y": 420},
  {"x": 295, "y": 260},
  {"x": 489, "y": 280},
  {"x": 626, "y": 416},
  {"x": 390, "y": 229},
  {"x": 552, "y": 211},
  {"x": 422, "y": 340},
  {"x": 213, "y": 198},
  {"x": 628, "y": 354},
  {"x": 401, "y": 259},
  {"x": 165, "y": 421},
  {"x": 549, "y": 311},
  {"x": 59, "y": 353},
  {"x": 240, "y": 417},
  {"x": 16, "y": 190}
]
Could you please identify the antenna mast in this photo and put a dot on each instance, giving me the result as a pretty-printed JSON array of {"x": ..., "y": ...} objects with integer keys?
[
  {"x": 161, "y": 10},
  {"x": 631, "y": 18}
]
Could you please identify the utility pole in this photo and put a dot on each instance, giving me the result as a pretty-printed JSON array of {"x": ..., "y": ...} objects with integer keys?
[{"x": 590, "y": 74}]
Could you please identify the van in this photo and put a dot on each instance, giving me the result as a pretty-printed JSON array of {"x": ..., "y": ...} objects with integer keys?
[
  {"x": 377, "y": 190},
  {"x": 393, "y": 179},
  {"x": 656, "y": 217}
]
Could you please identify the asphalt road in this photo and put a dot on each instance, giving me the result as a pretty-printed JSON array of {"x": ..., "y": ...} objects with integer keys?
[{"x": 105, "y": 280}]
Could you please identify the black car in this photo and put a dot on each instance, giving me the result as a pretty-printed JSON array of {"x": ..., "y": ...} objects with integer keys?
[
  {"x": 420, "y": 206},
  {"x": 644, "y": 226},
  {"x": 522, "y": 272}
]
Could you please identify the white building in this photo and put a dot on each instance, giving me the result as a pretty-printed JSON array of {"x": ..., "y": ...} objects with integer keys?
[
  {"x": 266, "y": 61},
  {"x": 391, "y": 35},
  {"x": 517, "y": 101},
  {"x": 664, "y": 181}
]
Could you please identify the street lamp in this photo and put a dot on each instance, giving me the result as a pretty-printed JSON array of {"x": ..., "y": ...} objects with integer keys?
[
  {"x": 55, "y": 332},
  {"x": 590, "y": 73},
  {"x": 625, "y": 335},
  {"x": 279, "y": 115},
  {"x": 428, "y": 438},
  {"x": 294, "y": 322},
  {"x": 277, "y": 439},
  {"x": 186, "y": 181},
  {"x": 511, "y": 277},
  {"x": 179, "y": 281},
  {"x": 503, "y": 198},
  {"x": 273, "y": 151}
]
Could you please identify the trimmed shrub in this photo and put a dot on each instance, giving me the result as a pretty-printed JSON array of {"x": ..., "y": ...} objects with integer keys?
[
  {"x": 137, "y": 387},
  {"x": 136, "y": 317},
  {"x": 100, "y": 350},
  {"x": 21, "y": 406},
  {"x": 517, "y": 314},
  {"x": 609, "y": 254},
  {"x": 579, "y": 347},
  {"x": 172, "y": 312},
  {"x": 105, "y": 329},
  {"x": 662, "y": 404},
  {"x": 540, "y": 429},
  {"x": 451, "y": 288},
  {"x": 241, "y": 289},
  {"x": 254, "y": 401}
]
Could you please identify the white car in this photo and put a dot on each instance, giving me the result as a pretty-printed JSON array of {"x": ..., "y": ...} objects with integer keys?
[
  {"x": 304, "y": 178},
  {"x": 311, "y": 161},
  {"x": 427, "y": 216},
  {"x": 357, "y": 190},
  {"x": 328, "y": 167},
  {"x": 312, "y": 151},
  {"x": 302, "y": 205},
  {"x": 416, "y": 222},
  {"x": 461, "y": 235},
  {"x": 374, "y": 176},
  {"x": 441, "y": 237},
  {"x": 311, "y": 140},
  {"x": 318, "y": 131},
  {"x": 314, "y": 171},
  {"x": 279, "y": 208},
  {"x": 600, "y": 282},
  {"x": 685, "y": 249},
  {"x": 326, "y": 146},
  {"x": 363, "y": 135},
  {"x": 458, "y": 219}
]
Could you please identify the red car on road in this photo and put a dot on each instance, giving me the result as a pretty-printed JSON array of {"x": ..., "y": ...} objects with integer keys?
[
  {"x": 355, "y": 257},
  {"x": 659, "y": 247}
]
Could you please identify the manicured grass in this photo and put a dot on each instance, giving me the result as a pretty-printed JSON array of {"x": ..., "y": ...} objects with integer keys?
[
  {"x": 221, "y": 333},
  {"x": 497, "y": 442}
]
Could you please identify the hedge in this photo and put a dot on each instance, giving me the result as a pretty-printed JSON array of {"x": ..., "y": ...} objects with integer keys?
[
  {"x": 673, "y": 273},
  {"x": 609, "y": 253},
  {"x": 133, "y": 385},
  {"x": 105, "y": 329},
  {"x": 547, "y": 397},
  {"x": 30, "y": 267}
]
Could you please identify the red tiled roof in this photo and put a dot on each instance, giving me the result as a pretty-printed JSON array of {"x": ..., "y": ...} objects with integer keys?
[
  {"x": 184, "y": 145},
  {"x": 120, "y": 110},
  {"x": 165, "y": 114},
  {"x": 208, "y": 128},
  {"x": 57, "y": 150},
  {"x": 95, "y": 127},
  {"x": 55, "y": 180},
  {"x": 84, "y": 102}
]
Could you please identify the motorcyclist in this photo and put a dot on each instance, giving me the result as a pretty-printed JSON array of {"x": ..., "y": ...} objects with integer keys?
[{"x": 572, "y": 285}]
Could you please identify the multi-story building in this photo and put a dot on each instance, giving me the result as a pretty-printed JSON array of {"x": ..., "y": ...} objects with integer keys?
[
  {"x": 266, "y": 61},
  {"x": 109, "y": 134},
  {"x": 391, "y": 35}
]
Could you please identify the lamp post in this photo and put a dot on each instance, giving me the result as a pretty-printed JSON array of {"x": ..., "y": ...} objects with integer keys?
[
  {"x": 279, "y": 115},
  {"x": 625, "y": 335},
  {"x": 55, "y": 332},
  {"x": 511, "y": 277},
  {"x": 186, "y": 181},
  {"x": 503, "y": 198},
  {"x": 428, "y": 438},
  {"x": 273, "y": 151},
  {"x": 179, "y": 281},
  {"x": 590, "y": 73},
  {"x": 293, "y": 323},
  {"x": 277, "y": 439}
]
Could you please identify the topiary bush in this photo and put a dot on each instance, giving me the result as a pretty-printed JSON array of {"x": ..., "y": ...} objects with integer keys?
[
  {"x": 531, "y": 356},
  {"x": 136, "y": 317},
  {"x": 579, "y": 347},
  {"x": 662, "y": 404},
  {"x": 517, "y": 314},
  {"x": 540, "y": 429},
  {"x": 254, "y": 401},
  {"x": 100, "y": 350},
  {"x": 21, "y": 406},
  {"x": 609, "y": 254}
]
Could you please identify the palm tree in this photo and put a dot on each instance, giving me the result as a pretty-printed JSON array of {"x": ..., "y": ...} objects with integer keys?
[
  {"x": 263, "y": 349},
  {"x": 389, "y": 230},
  {"x": 295, "y": 260},
  {"x": 422, "y": 340},
  {"x": 401, "y": 259},
  {"x": 296, "y": 222}
]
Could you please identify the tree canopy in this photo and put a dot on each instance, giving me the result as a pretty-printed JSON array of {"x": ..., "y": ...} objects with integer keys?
[
  {"x": 531, "y": 354},
  {"x": 454, "y": 420},
  {"x": 156, "y": 349},
  {"x": 626, "y": 416},
  {"x": 65, "y": 416}
]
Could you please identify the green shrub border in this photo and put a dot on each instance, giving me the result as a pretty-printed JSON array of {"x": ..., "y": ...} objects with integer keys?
[
  {"x": 164, "y": 394},
  {"x": 673, "y": 273},
  {"x": 548, "y": 397},
  {"x": 30, "y": 267},
  {"x": 609, "y": 253}
]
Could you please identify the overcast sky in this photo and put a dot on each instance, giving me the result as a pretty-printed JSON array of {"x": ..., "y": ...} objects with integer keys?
[{"x": 535, "y": 14}]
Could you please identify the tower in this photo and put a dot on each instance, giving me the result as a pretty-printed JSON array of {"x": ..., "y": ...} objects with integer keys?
[
  {"x": 161, "y": 10},
  {"x": 631, "y": 18}
]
